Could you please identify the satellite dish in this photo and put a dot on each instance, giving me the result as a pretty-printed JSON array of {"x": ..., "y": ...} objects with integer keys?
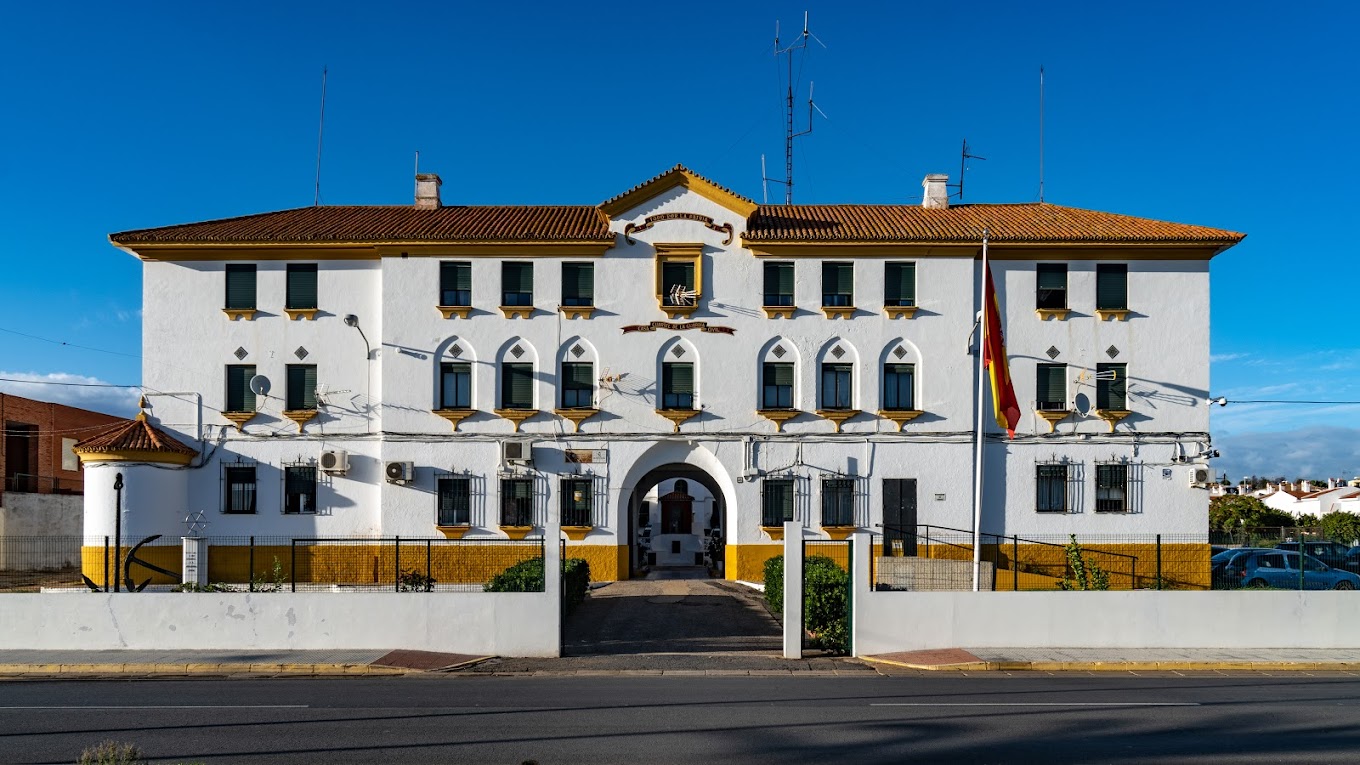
[
  {"x": 259, "y": 385},
  {"x": 1082, "y": 403}
]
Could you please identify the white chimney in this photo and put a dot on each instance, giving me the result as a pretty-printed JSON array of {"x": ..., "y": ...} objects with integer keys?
[
  {"x": 1307, "y": 487},
  {"x": 936, "y": 197},
  {"x": 427, "y": 191},
  {"x": 1331, "y": 483}
]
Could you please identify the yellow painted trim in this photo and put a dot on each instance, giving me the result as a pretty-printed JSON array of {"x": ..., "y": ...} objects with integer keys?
[
  {"x": 577, "y": 533},
  {"x": 450, "y": 311},
  {"x": 548, "y": 249},
  {"x": 1053, "y": 416},
  {"x": 522, "y": 311},
  {"x": 577, "y": 416},
  {"x": 679, "y": 252},
  {"x": 301, "y": 313},
  {"x": 775, "y": 532},
  {"x": 1045, "y": 314},
  {"x": 236, "y": 314},
  {"x": 839, "y": 533},
  {"x": 900, "y": 416},
  {"x": 516, "y": 416},
  {"x": 135, "y": 455},
  {"x": 455, "y": 416},
  {"x": 517, "y": 532},
  {"x": 778, "y": 416},
  {"x": 900, "y": 311},
  {"x": 453, "y": 532},
  {"x": 300, "y": 416},
  {"x": 1002, "y": 251},
  {"x": 839, "y": 311},
  {"x": 837, "y": 416},
  {"x": 577, "y": 311},
  {"x": 679, "y": 177},
  {"x": 1112, "y": 416},
  {"x": 677, "y": 416},
  {"x": 779, "y": 311},
  {"x": 1118, "y": 314},
  {"x": 273, "y": 251},
  {"x": 239, "y": 419}
]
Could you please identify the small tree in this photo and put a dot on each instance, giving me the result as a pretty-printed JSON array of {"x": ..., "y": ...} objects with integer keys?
[
  {"x": 1082, "y": 574},
  {"x": 1340, "y": 526},
  {"x": 1231, "y": 512}
]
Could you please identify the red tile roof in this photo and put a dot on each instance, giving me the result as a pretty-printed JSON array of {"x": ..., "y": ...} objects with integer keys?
[
  {"x": 374, "y": 224},
  {"x": 1006, "y": 223},
  {"x": 133, "y": 436}
]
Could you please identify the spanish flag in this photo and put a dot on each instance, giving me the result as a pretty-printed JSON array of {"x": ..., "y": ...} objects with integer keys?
[{"x": 1004, "y": 405}]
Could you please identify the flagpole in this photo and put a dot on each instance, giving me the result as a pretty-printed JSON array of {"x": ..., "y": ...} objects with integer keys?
[{"x": 981, "y": 402}]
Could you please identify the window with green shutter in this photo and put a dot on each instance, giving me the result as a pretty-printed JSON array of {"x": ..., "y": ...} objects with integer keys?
[
  {"x": 776, "y": 501},
  {"x": 301, "y": 387},
  {"x": 517, "y": 284},
  {"x": 517, "y": 386},
  {"x": 299, "y": 489},
  {"x": 677, "y": 386},
  {"x": 301, "y": 286},
  {"x": 578, "y": 284},
  {"x": 578, "y": 385},
  {"x": 240, "y": 286},
  {"x": 777, "y": 391},
  {"x": 455, "y": 502},
  {"x": 676, "y": 274},
  {"x": 1051, "y": 281},
  {"x": 899, "y": 284},
  {"x": 778, "y": 284},
  {"x": 899, "y": 387},
  {"x": 455, "y": 284},
  {"x": 240, "y": 398},
  {"x": 1111, "y": 387},
  {"x": 838, "y": 284},
  {"x": 455, "y": 386},
  {"x": 1112, "y": 287},
  {"x": 1050, "y": 387}
]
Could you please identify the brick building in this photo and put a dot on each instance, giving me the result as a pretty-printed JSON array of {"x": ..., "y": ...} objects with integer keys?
[{"x": 35, "y": 453}]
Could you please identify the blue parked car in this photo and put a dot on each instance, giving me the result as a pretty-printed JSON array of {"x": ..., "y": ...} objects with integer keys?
[{"x": 1279, "y": 569}]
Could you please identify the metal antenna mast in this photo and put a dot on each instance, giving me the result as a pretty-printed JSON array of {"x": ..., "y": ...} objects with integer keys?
[
  {"x": 963, "y": 167},
  {"x": 1041, "y": 133},
  {"x": 320, "y": 132},
  {"x": 800, "y": 45}
]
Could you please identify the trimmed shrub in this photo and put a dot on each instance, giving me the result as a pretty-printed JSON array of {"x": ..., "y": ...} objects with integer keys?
[
  {"x": 527, "y": 576},
  {"x": 826, "y": 599},
  {"x": 575, "y": 581},
  {"x": 774, "y": 584}
]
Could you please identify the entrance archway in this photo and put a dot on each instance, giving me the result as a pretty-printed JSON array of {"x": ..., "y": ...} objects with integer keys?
[
  {"x": 663, "y": 465},
  {"x": 672, "y": 529}
]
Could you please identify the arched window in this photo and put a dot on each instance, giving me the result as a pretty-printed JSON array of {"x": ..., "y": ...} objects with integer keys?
[
  {"x": 679, "y": 378},
  {"x": 577, "y": 375},
  {"x": 516, "y": 369}
]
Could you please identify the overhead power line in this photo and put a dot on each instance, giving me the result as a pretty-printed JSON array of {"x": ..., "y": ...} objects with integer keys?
[{"x": 70, "y": 345}]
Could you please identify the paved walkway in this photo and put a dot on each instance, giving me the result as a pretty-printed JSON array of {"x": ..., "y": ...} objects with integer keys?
[{"x": 1125, "y": 659}]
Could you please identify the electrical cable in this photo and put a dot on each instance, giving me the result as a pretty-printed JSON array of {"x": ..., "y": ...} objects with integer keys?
[{"x": 69, "y": 345}]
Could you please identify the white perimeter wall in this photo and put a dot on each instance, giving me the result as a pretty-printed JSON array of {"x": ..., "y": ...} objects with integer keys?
[{"x": 32, "y": 515}]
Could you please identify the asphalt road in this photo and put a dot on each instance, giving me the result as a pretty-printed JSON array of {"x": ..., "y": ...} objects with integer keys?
[{"x": 873, "y": 719}]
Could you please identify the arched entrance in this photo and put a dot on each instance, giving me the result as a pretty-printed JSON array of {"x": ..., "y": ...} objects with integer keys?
[{"x": 671, "y": 526}]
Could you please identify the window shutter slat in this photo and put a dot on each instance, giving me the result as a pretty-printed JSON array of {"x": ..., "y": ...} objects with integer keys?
[
  {"x": 1112, "y": 287},
  {"x": 240, "y": 398},
  {"x": 682, "y": 378},
  {"x": 301, "y": 286},
  {"x": 518, "y": 277},
  {"x": 585, "y": 281},
  {"x": 519, "y": 383},
  {"x": 899, "y": 283},
  {"x": 779, "y": 374},
  {"x": 786, "y": 278},
  {"x": 581, "y": 374},
  {"x": 845, "y": 279},
  {"x": 240, "y": 286},
  {"x": 1052, "y": 276},
  {"x": 772, "y": 278}
]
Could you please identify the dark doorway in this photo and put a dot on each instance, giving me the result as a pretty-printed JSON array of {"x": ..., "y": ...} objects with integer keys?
[
  {"x": 676, "y": 512},
  {"x": 899, "y": 516},
  {"x": 21, "y": 457}
]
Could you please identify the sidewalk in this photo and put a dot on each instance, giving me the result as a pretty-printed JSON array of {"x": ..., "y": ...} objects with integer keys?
[
  {"x": 1124, "y": 659},
  {"x": 48, "y": 663}
]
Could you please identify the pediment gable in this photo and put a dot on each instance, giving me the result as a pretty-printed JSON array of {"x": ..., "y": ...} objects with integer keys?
[{"x": 678, "y": 176}]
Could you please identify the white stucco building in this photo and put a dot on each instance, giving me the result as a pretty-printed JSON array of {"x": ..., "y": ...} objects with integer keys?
[{"x": 812, "y": 362}]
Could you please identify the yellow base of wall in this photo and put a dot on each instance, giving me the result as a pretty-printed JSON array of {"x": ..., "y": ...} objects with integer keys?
[
  {"x": 1184, "y": 566},
  {"x": 608, "y": 563}
]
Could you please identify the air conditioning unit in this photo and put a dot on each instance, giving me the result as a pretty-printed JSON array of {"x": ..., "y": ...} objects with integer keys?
[
  {"x": 334, "y": 461},
  {"x": 1199, "y": 477},
  {"x": 400, "y": 472},
  {"x": 517, "y": 452}
]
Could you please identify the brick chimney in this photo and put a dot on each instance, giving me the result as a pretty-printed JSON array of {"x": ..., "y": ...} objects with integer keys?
[
  {"x": 937, "y": 192},
  {"x": 427, "y": 191}
]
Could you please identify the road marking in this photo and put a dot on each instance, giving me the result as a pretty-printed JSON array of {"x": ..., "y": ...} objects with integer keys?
[
  {"x": 1050, "y": 704},
  {"x": 176, "y": 706}
]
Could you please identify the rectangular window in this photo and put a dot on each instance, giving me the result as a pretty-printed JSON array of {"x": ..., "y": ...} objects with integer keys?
[
  {"x": 899, "y": 284},
  {"x": 677, "y": 386},
  {"x": 517, "y": 502},
  {"x": 836, "y": 381},
  {"x": 838, "y": 284},
  {"x": 676, "y": 275},
  {"x": 578, "y": 385},
  {"x": 1112, "y": 488},
  {"x": 517, "y": 386},
  {"x": 455, "y": 386},
  {"x": 455, "y": 284},
  {"x": 301, "y": 286},
  {"x": 776, "y": 501},
  {"x": 899, "y": 387},
  {"x": 576, "y": 500},
  {"x": 1050, "y": 387},
  {"x": 240, "y": 398},
  {"x": 517, "y": 284},
  {"x": 777, "y": 392},
  {"x": 1112, "y": 287},
  {"x": 1050, "y": 488},
  {"x": 455, "y": 501},
  {"x": 299, "y": 489},
  {"x": 1051, "y": 280},
  {"x": 240, "y": 286},
  {"x": 239, "y": 489},
  {"x": 301, "y": 387},
  {"x": 838, "y": 502},
  {"x": 1111, "y": 387},
  {"x": 578, "y": 284},
  {"x": 778, "y": 284}
]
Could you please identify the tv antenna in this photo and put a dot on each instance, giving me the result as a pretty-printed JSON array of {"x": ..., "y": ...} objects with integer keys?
[
  {"x": 963, "y": 167},
  {"x": 1041, "y": 134},
  {"x": 801, "y": 45},
  {"x": 320, "y": 132}
]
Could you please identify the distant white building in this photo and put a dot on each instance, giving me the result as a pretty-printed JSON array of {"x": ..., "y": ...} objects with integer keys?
[{"x": 447, "y": 369}]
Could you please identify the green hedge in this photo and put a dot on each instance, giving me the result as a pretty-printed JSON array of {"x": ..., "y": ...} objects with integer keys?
[
  {"x": 527, "y": 576},
  {"x": 826, "y": 599}
]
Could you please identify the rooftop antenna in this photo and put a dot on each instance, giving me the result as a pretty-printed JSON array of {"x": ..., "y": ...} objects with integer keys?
[
  {"x": 963, "y": 167},
  {"x": 417, "y": 161},
  {"x": 1041, "y": 134},
  {"x": 320, "y": 133},
  {"x": 789, "y": 134},
  {"x": 764, "y": 182}
]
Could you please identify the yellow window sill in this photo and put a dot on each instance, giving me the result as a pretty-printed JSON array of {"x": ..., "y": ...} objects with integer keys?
[
  {"x": 577, "y": 533},
  {"x": 301, "y": 313},
  {"x": 453, "y": 532},
  {"x": 1118, "y": 314},
  {"x": 455, "y": 416},
  {"x": 779, "y": 311},
  {"x": 240, "y": 313},
  {"x": 1053, "y": 416},
  {"x": 1112, "y": 416},
  {"x": 239, "y": 419},
  {"x": 838, "y": 311},
  {"x": 677, "y": 416},
  {"x": 522, "y": 311},
  {"x": 450, "y": 311},
  {"x": 577, "y": 416},
  {"x": 837, "y": 416},
  {"x": 900, "y": 311},
  {"x": 300, "y": 416},
  {"x": 900, "y": 416},
  {"x": 1052, "y": 313},
  {"x": 679, "y": 311},
  {"x": 516, "y": 416},
  {"x": 778, "y": 416},
  {"x": 839, "y": 532},
  {"x": 517, "y": 532},
  {"x": 776, "y": 532},
  {"x": 577, "y": 311}
]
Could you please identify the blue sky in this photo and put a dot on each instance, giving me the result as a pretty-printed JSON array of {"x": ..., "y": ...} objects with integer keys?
[{"x": 1234, "y": 115}]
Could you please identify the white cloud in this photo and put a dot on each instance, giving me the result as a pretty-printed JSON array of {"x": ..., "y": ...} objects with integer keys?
[
  {"x": 1223, "y": 358},
  {"x": 1314, "y": 452},
  {"x": 121, "y": 402}
]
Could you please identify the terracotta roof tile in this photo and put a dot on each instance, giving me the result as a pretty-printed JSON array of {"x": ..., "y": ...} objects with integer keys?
[
  {"x": 1006, "y": 223},
  {"x": 357, "y": 223},
  {"x": 133, "y": 435}
]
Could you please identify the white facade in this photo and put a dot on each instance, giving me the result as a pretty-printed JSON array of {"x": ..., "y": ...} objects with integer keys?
[{"x": 379, "y": 390}]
